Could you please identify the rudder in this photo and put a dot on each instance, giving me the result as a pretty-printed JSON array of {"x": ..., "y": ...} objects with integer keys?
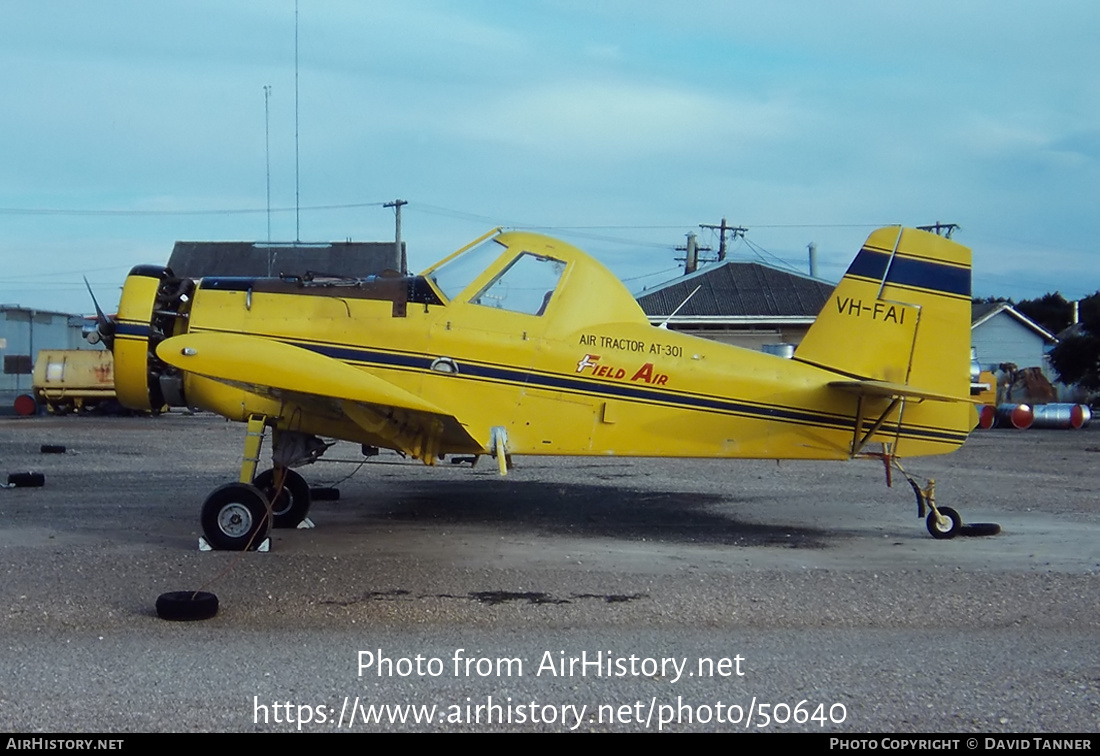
[{"x": 900, "y": 314}]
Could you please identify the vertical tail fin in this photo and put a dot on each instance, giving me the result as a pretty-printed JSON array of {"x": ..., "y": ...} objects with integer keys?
[{"x": 900, "y": 314}]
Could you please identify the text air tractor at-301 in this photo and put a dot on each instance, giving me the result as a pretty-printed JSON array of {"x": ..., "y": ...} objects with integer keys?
[{"x": 522, "y": 344}]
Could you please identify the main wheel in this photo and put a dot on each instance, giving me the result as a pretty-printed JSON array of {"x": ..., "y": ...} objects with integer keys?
[
  {"x": 948, "y": 529},
  {"x": 235, "y": 517},
  {"x": 292, "y": 504}
]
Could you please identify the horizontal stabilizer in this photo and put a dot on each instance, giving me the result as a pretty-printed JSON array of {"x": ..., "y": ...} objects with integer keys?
[{"x": 887, "y": 390}]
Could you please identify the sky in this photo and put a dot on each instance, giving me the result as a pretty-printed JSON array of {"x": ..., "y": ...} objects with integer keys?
[{"x": 620, "y": 126}]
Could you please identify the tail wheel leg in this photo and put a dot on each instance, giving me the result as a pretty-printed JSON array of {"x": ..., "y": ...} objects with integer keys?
[{"x": 942, "y": 522}]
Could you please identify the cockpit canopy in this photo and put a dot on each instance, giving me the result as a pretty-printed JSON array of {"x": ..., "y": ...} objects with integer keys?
[
  {"x": 525, "y": 285},
  {"x": 534, "y": 275}
]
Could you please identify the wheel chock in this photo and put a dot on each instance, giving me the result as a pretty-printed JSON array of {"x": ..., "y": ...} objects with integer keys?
[{"x": 265, "y": 544}]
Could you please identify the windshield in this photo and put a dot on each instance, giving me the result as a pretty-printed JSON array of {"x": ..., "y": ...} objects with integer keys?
[{"x": 454, "y": 276}]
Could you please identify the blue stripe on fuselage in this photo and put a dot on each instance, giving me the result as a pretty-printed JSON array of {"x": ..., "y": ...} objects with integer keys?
[{"x": 558, "y": 382}]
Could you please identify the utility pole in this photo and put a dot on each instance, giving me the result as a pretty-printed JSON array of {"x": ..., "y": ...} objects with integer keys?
[
  {"x": 397, "y": 205},
  {"x": 691, "y": 264},
  {"x": 736, "y": 231},
  {"x": 691, "y": 261},
  {"x": 941, "y": 229}
]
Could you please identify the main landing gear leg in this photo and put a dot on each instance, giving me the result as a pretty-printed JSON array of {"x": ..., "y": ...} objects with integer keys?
[{"x": 237, "y": 516}]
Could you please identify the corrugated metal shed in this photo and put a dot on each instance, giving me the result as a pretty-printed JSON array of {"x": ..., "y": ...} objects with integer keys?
[{"x": 23, "y": 333}]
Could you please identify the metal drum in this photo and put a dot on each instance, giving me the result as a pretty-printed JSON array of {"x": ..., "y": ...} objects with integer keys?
[
  {"x": 987, "y": 416},
  {"x": 1062, "y": 416},
  {"x": 1018, "y": 416}
]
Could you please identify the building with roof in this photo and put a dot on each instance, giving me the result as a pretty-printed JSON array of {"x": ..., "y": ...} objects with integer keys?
[
  {"x": 1002, "y": 334},
  {"x": 748, "y": 304},
  {"x": 23, "y": 333}
]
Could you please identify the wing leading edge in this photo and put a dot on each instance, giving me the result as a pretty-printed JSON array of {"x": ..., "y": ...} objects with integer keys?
[{"x": 317, "y": 383}]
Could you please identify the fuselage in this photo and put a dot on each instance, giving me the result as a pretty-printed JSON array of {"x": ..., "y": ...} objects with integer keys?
[{"x": 561, "y": 356}]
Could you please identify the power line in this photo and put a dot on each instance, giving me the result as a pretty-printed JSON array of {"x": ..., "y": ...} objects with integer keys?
[
  {"x": 650, "y": 275},
  {"x": 30, "y": 211}
]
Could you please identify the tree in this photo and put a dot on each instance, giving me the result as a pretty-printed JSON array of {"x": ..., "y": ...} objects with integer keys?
[
  {"x": 1077, "y": 356},
  {"x": 1051, "y": 311}
]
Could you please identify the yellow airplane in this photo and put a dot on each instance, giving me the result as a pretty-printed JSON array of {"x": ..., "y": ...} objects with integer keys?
[{"x": 522, "y": 344}]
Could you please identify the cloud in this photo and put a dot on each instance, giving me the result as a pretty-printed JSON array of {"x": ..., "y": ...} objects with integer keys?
[{"x": 597, "y": 120}]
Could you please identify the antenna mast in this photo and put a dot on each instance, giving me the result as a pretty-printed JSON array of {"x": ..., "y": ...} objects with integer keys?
[
  {"x": 267, "y": 152},
  {"x": 297, "y": 194}
]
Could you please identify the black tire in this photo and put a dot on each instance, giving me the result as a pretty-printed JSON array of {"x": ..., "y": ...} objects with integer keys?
[
  {"x": 950, "y": 530},
  {"x": 235, "y": 517},
  {"x": 184, "y": 606},
  {"x": 293, "y": 502},
  {"x": 980, "y": 529},
  {"x": 52, "y": 449},
  {"x": 324, "y": 493},
  {"x": 27, "y": 480}
]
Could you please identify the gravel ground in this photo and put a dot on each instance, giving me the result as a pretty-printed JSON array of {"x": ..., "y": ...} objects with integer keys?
[{"x": 813, "y": 580}]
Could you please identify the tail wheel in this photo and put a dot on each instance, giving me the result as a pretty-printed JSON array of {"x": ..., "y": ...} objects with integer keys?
[
  {"x": 235, "y": 517},
  {"x": 947, "y": 525},
  {"x": 291, "y": 506}
]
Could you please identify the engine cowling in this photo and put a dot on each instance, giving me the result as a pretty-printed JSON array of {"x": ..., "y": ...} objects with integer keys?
[{"x": 153, "y": 307}]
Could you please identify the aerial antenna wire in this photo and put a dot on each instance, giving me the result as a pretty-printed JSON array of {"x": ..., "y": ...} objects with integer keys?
[{"x": 664, "y": 323}]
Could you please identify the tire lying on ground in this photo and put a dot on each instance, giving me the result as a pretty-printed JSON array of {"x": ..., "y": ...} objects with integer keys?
[
  {"x": 27, "y": 480},
  {"x": 980, "y": 529},
  {"x": 183, "y": 606}
]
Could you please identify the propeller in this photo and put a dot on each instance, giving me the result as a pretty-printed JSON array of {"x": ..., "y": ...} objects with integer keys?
[{"x": 104, "y": 326}]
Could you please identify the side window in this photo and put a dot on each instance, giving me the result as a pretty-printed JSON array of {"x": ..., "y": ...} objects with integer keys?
[{"x": 525, "y": 286}]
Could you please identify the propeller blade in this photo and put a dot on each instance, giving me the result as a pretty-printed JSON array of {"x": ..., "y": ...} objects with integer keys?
[{"x": 104, "y": 326}]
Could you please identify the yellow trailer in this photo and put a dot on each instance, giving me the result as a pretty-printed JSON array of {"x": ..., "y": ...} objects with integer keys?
[{"x": 68, "y": 380}]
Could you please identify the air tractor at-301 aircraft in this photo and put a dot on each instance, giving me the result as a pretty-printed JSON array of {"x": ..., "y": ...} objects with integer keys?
[{"x": 520, "y": 344}]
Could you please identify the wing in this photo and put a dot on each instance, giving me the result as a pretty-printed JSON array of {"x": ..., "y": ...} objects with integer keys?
[{"x": 321, "y": 384}]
